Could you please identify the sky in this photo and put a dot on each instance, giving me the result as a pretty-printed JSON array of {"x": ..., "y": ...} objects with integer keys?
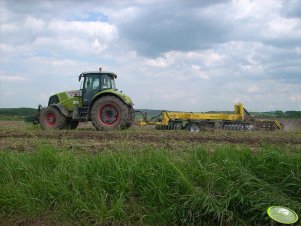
[{"x": 183, "y": 55}]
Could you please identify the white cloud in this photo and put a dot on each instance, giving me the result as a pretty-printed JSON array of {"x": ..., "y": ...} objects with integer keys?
[
  {"x": 56, "y": 35},
  {"x": 34, "y": 24},
  {"x": 98, "y": 47},
  {"x": 124, "y": 15},
  {"x": 290, "y": 28},
  {"x": 9, "y": 27},
  {"x": 90, "y": 28},
  {"x": 196, "y": 67},
  {"x": 13, "y": 78},
  {"x": 7, "y": 94},
  {"x": 199, "y": 73},
  {"x": 253, "y": 89},
  {"x": 44, "y": 97},
  {"x": 295, "y": 97},
  {"x": 158, "y": 62},
  {"x": 177, "y": 55}
]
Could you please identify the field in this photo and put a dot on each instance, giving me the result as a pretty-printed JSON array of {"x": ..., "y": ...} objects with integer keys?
[{"x": 143, "y": 176}]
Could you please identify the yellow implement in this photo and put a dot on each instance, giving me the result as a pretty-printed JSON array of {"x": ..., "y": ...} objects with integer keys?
[
  {"x": 268, "y": 124},
  {"x": 239, "y": 120},
  {"x": 170, "y": 116}
]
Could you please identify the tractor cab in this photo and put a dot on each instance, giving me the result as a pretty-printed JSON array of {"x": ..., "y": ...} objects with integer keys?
[{"x": 95, "y": 82}]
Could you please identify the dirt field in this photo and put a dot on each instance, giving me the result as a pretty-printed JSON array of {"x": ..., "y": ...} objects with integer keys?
[{"x": 20, "y": 136}]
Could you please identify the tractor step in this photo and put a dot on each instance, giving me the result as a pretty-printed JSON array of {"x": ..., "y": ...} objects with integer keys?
[{"x": 80, "y": 113}]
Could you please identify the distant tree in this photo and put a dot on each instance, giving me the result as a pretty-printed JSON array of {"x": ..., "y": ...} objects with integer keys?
[
  {"x": 18, "y": 111},
  {"x": 279, "y": 113},
  {"x": 292, "y": 114}
]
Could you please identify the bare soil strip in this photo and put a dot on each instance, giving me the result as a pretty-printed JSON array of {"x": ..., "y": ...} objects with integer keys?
[{"x": 159, "y": 136}]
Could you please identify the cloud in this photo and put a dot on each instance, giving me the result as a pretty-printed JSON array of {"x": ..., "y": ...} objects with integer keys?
[
  {"x": 55, "y": 36},
  {"x": 253, "y": 89},
  {"x": 198, "y": 71},
  {"x": 295, "y": 98},
  {"x": 178, "y": 55},
  {"x": 7, "y": 94},
  {"x": 12, "y": 78},
  {"x": 291, "y": 9},
  {"x": 162, "y": 28}
]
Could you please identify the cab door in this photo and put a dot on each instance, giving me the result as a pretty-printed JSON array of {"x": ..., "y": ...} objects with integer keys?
[{"x": 90, "y": 88}]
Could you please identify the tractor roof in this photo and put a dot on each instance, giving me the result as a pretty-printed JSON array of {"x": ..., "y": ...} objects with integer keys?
[{"x": 98, "y": 72}]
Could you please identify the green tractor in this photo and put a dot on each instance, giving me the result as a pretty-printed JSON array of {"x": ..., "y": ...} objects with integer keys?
[{"x": 98, "y": 101}]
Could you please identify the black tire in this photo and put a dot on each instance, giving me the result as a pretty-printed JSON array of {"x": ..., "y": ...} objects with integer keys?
[
  {"x": 178, "y": 126},
  {"x": 51, "y": 118},
  {"x": 131, "y": 117},
  {"x": 192, "y": 127},
  {"x": 71, "y": 124},
  {"x": 109, "y": 113},
  {"x": 35, "y": 121}
]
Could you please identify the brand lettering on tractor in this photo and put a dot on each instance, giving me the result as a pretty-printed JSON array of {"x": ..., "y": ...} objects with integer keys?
[{"x": 73, "y": 93}]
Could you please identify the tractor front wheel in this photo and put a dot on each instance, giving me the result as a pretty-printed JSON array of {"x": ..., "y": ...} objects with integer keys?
[
  {"x": 109, "y": 113},
  {"x": 51, "y": 118}
]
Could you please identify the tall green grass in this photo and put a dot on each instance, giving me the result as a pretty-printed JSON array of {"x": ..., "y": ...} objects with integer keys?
[{"x": 227, "y": 186}]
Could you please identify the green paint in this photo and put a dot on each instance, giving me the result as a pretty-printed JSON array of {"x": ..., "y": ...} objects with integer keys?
[{"x": 69, "y": 101}]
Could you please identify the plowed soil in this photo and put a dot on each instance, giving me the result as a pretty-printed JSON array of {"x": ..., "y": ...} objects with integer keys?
[
  {"x": 161, "y": 136},
  {"x": 24, "y": 137}
]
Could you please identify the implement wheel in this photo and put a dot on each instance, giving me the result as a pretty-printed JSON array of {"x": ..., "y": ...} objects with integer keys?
[
  {"x": 109, "y": 113},
  {"x": 192, "y": 127},
  {"x": 51, "y": 118}
]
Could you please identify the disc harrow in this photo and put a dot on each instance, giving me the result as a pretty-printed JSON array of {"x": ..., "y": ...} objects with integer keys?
[
  {"x": 172, "y": 126},
  {"x": 238, "y": 126},
  {"x": 240, "y": 120}
]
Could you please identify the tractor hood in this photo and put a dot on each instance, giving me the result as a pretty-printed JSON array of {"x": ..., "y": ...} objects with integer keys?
[
  {"x": 63, "y": 96},
  {"x": 69, "y": 98}
]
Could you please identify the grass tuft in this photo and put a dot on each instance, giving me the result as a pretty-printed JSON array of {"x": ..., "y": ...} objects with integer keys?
[{"x": 225, "y": 186}]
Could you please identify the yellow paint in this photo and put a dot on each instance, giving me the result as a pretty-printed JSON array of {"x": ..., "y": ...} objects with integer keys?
[
  {"x": 238, "y": 115},
  {"x": 167, "y": 116}
]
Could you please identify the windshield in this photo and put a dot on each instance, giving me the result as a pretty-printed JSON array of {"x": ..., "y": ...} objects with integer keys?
[
  {"x": 107, "y": 82},
  {"x": 113, "y": 83}
]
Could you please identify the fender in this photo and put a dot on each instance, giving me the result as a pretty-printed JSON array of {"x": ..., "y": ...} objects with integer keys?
[
  {"x": 124, "y": 98},
  {"x": 61, "y": 108}
]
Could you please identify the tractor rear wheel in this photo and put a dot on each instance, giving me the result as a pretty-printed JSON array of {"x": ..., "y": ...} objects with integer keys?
[
  {"x": 51, "y": 118},
  {"x": 109, "y": 113}
]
